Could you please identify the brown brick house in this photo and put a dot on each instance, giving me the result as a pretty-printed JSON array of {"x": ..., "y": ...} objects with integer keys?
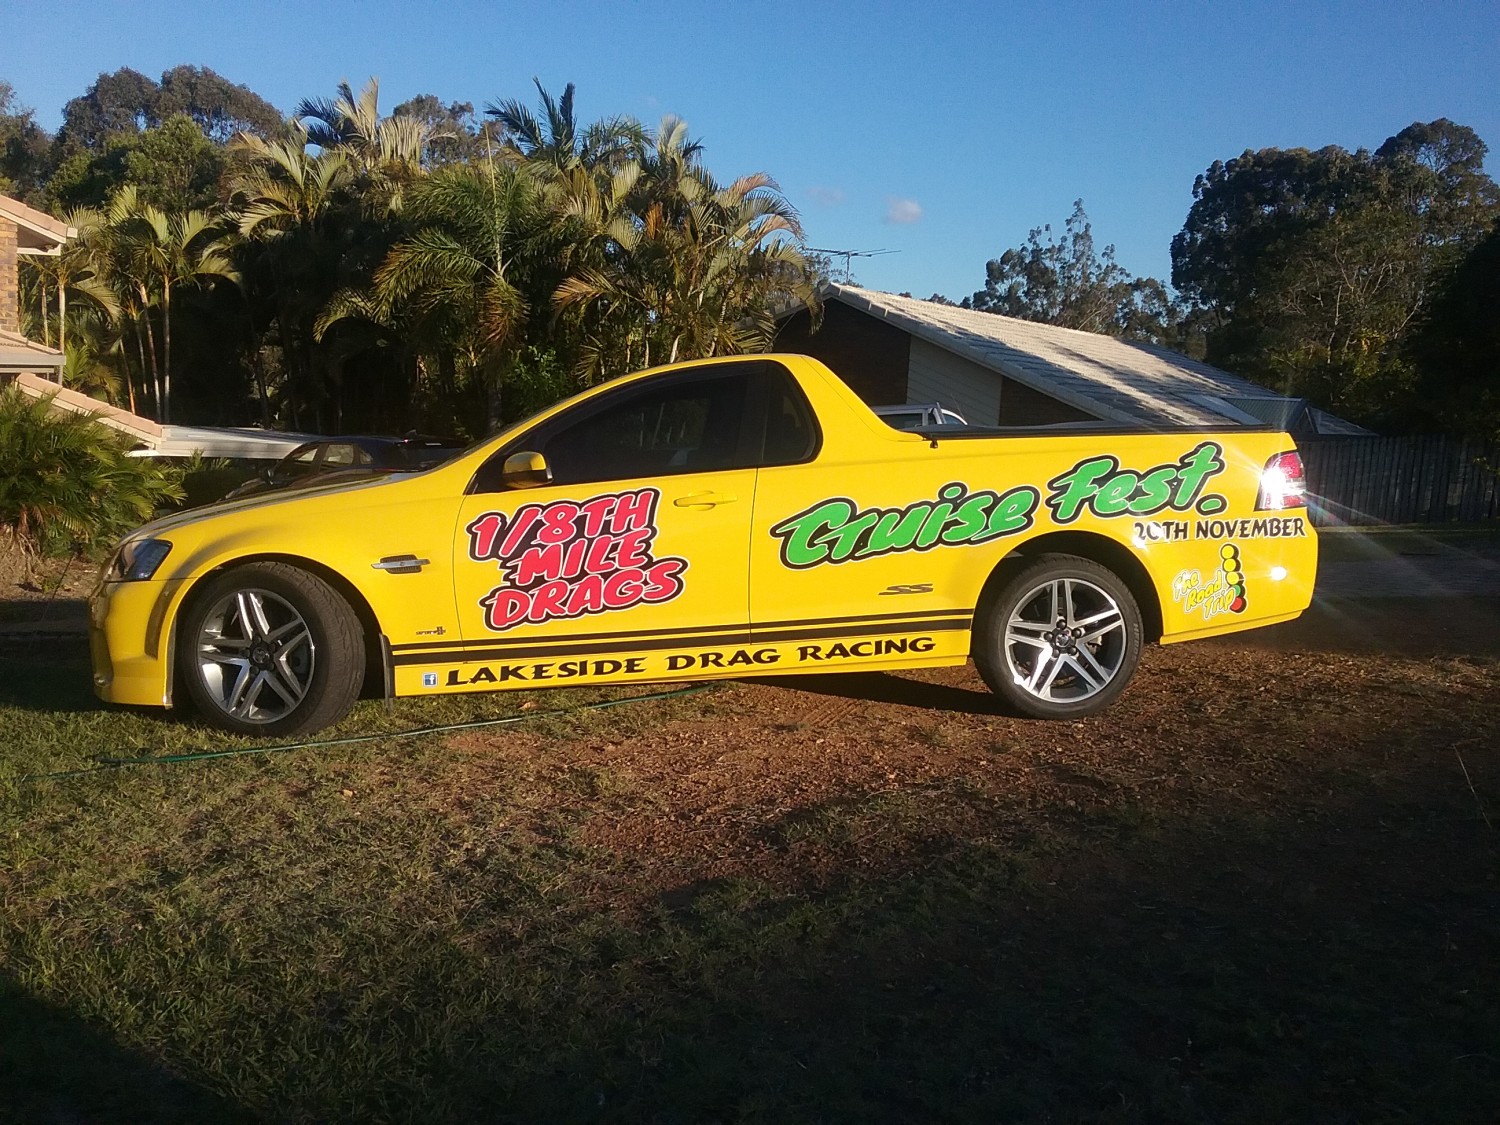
[{"x": 25, "y": 230}]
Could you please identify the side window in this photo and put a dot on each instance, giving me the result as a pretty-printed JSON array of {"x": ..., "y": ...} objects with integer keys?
[
  {"x": 299, "y": 464},
  {"x": 338, "y": 456},
  {"x": 688, "y": 427},
  {"x": 791, "y": 434},
  {"x": 739, "y": 416}
]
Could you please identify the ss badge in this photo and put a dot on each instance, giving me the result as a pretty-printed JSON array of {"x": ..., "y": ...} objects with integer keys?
[{"x": 909, "y": 588}]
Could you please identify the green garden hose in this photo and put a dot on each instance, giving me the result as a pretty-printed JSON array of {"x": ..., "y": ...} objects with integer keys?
[{"x": 103, "y": 763}]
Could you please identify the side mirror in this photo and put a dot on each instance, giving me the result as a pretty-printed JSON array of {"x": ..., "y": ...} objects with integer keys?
[
  {"x": 525, "y": 470},
  {"x": 268, "y": 474}
]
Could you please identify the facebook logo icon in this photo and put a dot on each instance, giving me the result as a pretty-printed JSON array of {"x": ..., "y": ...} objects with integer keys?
[{"x": 429, "y": 679}]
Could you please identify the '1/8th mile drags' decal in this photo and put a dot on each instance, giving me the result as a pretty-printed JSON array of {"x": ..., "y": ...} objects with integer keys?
[{"x": 570, "y": 558}]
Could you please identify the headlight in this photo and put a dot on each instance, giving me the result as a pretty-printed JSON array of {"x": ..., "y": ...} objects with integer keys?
[{"x": 138, "y": 559}]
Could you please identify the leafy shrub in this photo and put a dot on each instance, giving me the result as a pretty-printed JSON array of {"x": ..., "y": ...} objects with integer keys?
[
  {"x": 535, "y": 382},
  {"x": 205, "y": 479},
  {"x": 66, "y": 483}
]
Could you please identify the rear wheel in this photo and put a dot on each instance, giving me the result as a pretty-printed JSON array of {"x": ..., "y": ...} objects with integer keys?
[
  {"x": 1060, "y": 639},
  {"x": 269, "y": 649}
]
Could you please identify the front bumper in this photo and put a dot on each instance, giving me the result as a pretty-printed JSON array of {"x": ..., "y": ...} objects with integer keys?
[{"x": 130, "y": 641}]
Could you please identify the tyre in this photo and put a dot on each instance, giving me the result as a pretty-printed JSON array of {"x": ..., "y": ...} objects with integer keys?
[
  {"x": 1060, "y": 639},
  {"x": 272, "y": 650}
]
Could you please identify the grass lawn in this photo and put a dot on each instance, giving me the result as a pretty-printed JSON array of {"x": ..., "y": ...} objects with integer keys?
[{"x": 1262, "y": 888}]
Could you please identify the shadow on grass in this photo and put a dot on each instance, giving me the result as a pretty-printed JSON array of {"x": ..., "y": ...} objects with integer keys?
[
  {"x": 48, "y": 674},
  {"x": 1338, "y": 962},
  {"x": 1418, "y": 627},
  {"x": 1328, "y": 953},
  {"x": 885, "y": 687},
  {"x": 55, "y": 1068}
]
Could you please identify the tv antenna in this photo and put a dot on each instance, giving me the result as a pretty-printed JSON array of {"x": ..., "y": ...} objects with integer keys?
[{"x": 849, "y": 255}]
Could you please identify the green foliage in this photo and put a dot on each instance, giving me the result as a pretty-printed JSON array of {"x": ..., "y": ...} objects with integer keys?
[
  {"x": 454, "y": 135},
  {"x": 24, "y": 148},
  {"x": 1457, "y": 346},
  {"x": 1313, "y": 268},
  {"x": 205, "y": 480},
  {"x": 393, "y": 269},
  {"x": 127, "y": 102},
  {"x": 172, "y": 166},
  {"x": 536, "y": 380},
  {"x": 1069, "y": 283},
  {"x": 66, "y": 482}
]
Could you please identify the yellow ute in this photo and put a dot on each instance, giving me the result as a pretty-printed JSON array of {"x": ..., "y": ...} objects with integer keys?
[{"x": 712, "y": 519}]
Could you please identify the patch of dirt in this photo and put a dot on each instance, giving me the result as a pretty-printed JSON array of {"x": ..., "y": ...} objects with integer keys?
[{"x": 799, "y": 780}]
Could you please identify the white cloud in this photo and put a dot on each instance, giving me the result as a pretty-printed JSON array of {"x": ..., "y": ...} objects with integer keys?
[
  {"x": 826, "y": 196},
  {"x": 903, "y": 211}
]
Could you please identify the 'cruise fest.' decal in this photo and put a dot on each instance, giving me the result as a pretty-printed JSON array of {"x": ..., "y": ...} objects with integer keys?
[
  {"x": 837, "y": 530},
  {"x": 570, "y": 558}
]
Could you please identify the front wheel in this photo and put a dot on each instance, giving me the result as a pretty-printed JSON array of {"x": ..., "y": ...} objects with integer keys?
[
  {"x": 1060, "y": 639},
  {"x": 272, "y": 650}
]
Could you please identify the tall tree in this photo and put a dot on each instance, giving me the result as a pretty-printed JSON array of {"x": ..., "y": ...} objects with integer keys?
[
  {"x": 123, "y": 101},
  {"x": 1456, "y": 348},
  {"x": 453, "y": 133},
  {"x": 700, "y": 270},
  {"x": 25, "y": 149},
  {"x": 1067, "y": 281},
  {"x": 387, "y": 151},
  {"x": 165, "y": 252},
  {"x": 460, "y": 279},
  {"x": 557, "y": 140},
  {"x": 295, "y": 210},
  {"x": 1312, "y": 268},
  {"x": 220, "y": 108}
]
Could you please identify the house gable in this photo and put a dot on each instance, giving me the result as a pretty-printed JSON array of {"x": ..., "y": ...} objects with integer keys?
[
  {"x": 998, "y": 369},
  {"x": 871, "y": 356}
]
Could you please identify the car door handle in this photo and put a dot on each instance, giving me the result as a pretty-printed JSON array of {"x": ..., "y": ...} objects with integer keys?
[
  {"x": 704, "y": 499},
  {"x": 401, "y": 564}
]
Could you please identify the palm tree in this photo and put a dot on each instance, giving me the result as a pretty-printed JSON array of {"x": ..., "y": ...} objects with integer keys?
[
  {"x": 162, "y": 252},
  {"x": 77, "y": 274},
  {"x": 290, "y": 206},
  {"x": 389, "y": 152},
  {"x": 460, "y": 279},
  {"x": 555, "y": 140},
  {"x": 699, "y": 270}
]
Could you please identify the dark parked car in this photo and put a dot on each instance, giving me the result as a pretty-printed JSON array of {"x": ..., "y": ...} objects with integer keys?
[{"x": 331, "y": 460}]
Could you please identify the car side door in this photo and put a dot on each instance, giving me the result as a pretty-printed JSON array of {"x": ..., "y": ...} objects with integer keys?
[{"x": 633, "y": 552}]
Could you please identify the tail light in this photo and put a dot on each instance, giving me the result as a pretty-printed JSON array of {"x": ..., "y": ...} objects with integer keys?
[{"x": 1282, "y": 483}]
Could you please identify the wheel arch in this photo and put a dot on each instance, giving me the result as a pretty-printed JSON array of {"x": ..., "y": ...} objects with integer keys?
[
  {"x": 1107, "y": 552},
  {"x": 376, "y": 649}
]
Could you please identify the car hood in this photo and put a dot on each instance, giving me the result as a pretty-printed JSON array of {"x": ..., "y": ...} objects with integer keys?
[{"x": 166, "y": 524}]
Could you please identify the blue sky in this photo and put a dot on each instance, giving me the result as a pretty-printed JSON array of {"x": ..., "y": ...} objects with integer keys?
[{"x": 943, "y": 131}]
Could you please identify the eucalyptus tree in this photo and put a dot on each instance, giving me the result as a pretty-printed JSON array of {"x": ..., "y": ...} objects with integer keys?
[{"x": 1313, "y": 268}]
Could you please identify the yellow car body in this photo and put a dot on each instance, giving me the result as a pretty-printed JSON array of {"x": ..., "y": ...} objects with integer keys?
[{"x": 672, "y": 546}]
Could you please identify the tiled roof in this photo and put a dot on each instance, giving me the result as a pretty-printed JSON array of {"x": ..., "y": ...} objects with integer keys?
[
  {"x": 17, "y": 353},
  {"x": 47, "y": 230},
  {"x": 1118, "y": 380},
  {"x": 64, "y": 398}
]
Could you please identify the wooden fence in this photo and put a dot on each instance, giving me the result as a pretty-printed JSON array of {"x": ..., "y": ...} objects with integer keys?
[{"x": 1430, "y": 478}]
